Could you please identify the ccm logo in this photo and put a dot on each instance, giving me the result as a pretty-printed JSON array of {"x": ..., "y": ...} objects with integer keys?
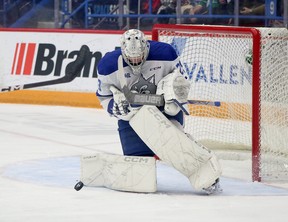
[
  {"x": 136, "y": 159},
  {"x": 162, "y": 119},
  {"x": 11, "y": 88}
]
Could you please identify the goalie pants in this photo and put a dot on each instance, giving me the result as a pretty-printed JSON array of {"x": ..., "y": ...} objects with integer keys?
[{"x": 131, "y": 143}]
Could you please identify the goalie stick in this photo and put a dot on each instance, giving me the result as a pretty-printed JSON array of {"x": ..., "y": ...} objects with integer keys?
[
  {"x": 151, "y": 99},
  {"x": 205, "y": 103},
  {"x": 72, "y": 70}
]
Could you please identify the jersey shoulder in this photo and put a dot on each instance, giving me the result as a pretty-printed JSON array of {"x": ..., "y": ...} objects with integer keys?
[
  {"x": 108, "y": 64},
  {"x": 161, "y": 51}
]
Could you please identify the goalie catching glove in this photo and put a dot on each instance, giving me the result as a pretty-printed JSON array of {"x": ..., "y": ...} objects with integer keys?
[
  {"x": 121, "y": 107},
  {"x": 175, "y": 89}
]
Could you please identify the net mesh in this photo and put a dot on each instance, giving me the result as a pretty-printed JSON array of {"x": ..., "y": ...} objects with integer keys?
[
  {"x": 274, "y": 103},
  {"x": 219, "y": 66}
]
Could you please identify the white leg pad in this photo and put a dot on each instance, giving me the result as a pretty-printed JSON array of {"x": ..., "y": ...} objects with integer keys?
[
  {"x": 118, "y": 172},
  {"x": 171, "y": 144},
  {"x": 207, "y": 174}
]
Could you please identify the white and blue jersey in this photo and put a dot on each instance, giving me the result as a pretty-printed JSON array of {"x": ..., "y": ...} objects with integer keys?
[{"x": 162, "y": 59}]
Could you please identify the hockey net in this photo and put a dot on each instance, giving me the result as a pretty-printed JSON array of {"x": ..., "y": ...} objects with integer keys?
[{"x": 246, "y": 69}]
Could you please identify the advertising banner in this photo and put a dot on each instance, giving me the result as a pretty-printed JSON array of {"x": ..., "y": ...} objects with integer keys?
[{"x": 35, "y": 55}]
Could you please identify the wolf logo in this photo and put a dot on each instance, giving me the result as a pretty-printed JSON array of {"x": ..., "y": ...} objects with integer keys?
[{"x": 145, "y": 86}]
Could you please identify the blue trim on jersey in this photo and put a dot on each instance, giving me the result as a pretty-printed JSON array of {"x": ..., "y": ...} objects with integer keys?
[
  {"x": 159, "y": 51},
  {"x": 110, "y": 106},
  {"x": 103, "y": 96},
  {"x": 109, "y": 63}
]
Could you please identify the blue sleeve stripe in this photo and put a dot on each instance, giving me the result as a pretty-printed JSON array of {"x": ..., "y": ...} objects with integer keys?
[
  {"x": 110, "y": 106},
  {"x": 103, "y": 96},
  {"x": 108, "y": 64}
]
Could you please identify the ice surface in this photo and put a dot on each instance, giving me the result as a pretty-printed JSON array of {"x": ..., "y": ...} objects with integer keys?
[{"x": 40, "y": 149}]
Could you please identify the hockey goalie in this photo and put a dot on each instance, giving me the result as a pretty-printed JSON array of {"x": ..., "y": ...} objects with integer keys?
[{"x": 147, "y": 132}]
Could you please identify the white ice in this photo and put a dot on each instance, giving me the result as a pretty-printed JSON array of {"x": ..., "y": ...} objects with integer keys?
[{"x": 40, "y": 149}]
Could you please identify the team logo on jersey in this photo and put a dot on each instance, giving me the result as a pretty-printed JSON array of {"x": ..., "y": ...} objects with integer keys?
[
  {"x": 127, "y": 75},
  {"x": 145, "y": 86}
]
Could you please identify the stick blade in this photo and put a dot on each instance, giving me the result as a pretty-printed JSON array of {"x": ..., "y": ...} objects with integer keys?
[{"x": 74, "y": 68}]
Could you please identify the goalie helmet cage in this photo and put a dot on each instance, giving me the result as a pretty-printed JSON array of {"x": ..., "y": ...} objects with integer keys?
[{"x": 246, "y": 70}]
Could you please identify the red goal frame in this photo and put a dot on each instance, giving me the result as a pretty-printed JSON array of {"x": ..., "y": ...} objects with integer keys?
[{"x": 256, "y": 35}]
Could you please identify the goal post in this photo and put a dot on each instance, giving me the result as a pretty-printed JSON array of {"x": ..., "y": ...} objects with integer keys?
[{"x": 246, "y": 69}]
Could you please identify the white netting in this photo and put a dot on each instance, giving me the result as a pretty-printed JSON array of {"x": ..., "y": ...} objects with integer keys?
[
  {"x": 274, "y": 103},
  {"x": 219, "y": 68}
]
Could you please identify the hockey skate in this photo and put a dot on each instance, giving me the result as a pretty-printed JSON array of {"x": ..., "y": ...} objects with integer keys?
[{"x": 214, "y": 188}]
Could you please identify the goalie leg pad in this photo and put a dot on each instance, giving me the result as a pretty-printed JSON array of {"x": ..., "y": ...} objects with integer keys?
[
  {"x": 168, "y": 142},
  {"x": 118, "y": 172},
  {"x": 207, "y": 174}
]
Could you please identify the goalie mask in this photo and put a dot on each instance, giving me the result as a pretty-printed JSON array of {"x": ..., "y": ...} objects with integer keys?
[{"x": 135, "y": 49}]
